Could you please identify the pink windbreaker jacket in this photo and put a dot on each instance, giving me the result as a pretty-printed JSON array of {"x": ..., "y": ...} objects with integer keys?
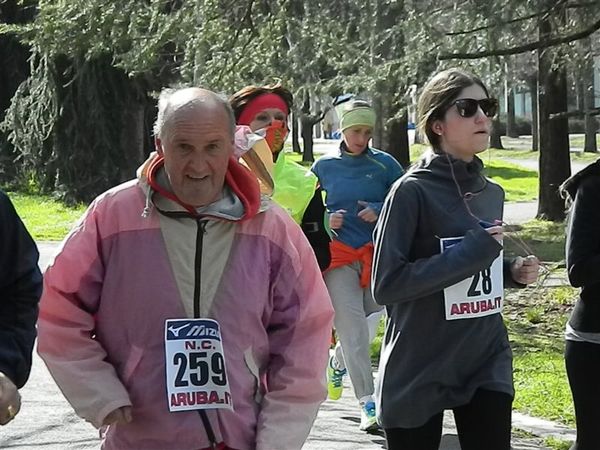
[{"x": 126, "y": 267}]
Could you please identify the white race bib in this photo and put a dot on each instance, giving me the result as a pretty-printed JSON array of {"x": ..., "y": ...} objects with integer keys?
[
  {"x": 196, "y": 373},
  {"x": 477, "y": 296}
]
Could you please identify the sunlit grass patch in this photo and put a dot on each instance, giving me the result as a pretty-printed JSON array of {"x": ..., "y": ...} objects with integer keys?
[
  {"x": 45, "y": 218},
  {"x": 520, "y": 184},
  {"x": 541, "y": 386},
  {"x": 545, "y": 239}
]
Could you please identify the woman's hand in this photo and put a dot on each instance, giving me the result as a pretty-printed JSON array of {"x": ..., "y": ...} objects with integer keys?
[
  {"x": 367, "y": 214},
  {"x": 525, "y": 270},
  {"x": 336, "y": 219}
]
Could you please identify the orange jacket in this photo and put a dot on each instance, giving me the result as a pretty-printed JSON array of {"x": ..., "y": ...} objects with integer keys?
[{"x": 342, "y": 255}]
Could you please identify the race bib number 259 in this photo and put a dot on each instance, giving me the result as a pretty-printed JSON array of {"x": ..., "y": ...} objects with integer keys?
[{"x": 195, "y": 362}]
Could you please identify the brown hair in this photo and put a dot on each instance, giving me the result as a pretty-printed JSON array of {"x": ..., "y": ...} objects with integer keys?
[
  {"x": 438, "y": 93},
  {"x": 241, "y": 98}
]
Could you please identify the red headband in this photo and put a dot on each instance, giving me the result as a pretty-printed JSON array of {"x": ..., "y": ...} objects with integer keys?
[{"x": 260, "y": 103}]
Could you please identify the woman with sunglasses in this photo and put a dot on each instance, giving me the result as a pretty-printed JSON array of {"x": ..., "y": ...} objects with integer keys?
[
  {"x": 265, "y": 109},
  {"x": 582, "y": 334},
  {"x": 439, "y": 270}
]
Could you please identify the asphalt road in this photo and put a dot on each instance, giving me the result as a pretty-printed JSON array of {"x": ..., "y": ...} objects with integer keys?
[{"x": 46, "y": 420}]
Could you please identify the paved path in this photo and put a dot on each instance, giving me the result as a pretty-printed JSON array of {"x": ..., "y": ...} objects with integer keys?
[
  {"x": 48, "y": 422},
  {"x": 336, "y": 428},
  {"x": 533, "y": 164}
]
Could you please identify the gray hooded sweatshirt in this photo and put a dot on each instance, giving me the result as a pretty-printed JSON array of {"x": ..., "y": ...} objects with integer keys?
[{"x": 428, "y": 363}]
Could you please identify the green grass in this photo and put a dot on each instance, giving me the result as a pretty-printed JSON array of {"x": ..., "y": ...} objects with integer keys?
[
  {"x": 45, "y": 218},
  {"x": 520, "y": 184},
  {"x": 557, "y": 444},
  {"x": 543, "y": 238},
  {"x": 585, "y": 157},
  {"x": 513, "y": 153},
  {"x": 541, "y": 386},
  {"x": 537, "y": 341},
  {"x": 509, "y": 153},
  {"x": 579, "y": 141}
]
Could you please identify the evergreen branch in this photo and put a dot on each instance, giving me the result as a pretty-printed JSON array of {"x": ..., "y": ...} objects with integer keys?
[
  {"x": 247, "y": 18},
  {"x": 500, "y": 24},
  {"x": 582, "y": 5},
  {"x": 540, "y": 44},
  {"x": 576, "y": 113}
]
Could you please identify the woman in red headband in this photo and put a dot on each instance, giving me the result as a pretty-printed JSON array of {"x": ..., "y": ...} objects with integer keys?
[{"x": 265, "y": 109}]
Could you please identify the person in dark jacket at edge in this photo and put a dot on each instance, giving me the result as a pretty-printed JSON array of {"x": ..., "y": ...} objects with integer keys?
[
  {"x": 582, "y": 334},
  {"x": 20, "y": 290},
  {"x": 267, "y": 108},
  {"x": 440, "y": 271}
]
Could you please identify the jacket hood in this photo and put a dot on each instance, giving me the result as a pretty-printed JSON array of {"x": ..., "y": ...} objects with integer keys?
[
  {"x": 240, "y": 181},
  {"x": 569, "y": 187},
  {"x": 448, "y": 167}
]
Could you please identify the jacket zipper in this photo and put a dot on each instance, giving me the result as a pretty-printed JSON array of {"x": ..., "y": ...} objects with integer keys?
[
  {"x": 198, "y": 265},
  {"x": 201, "y": 230}
]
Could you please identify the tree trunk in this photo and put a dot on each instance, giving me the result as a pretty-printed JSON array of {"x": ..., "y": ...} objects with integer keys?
[
  {"x": 13, "y": 71},
  {"x": 579, "y": 92},
  {"x": 295, "y": 143},
  {"x": 555, "y": 163},
  {"x": 307, "y": 141},
  {"x": 511, "y": 123},
  {"x": 418, "y": 138},
  {"x": 132, "y": 137},
  {"x": 587, "y": 80},
  {"x": 495, "y": 141},
  {"x": 380, "y": 114},
  {"x": 398, "y": 140},
  {"x": 317, "y": 107},
  {"x": 532, "y": 82}
]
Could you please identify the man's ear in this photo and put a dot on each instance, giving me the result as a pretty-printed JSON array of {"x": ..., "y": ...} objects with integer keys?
[{"x": 158, "y": 146}]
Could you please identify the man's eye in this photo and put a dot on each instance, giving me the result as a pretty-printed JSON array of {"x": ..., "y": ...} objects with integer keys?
[{"x": 262, "y": 118}]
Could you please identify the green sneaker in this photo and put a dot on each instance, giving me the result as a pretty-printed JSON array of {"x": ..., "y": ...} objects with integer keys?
[{"x": 334, "y": 380}]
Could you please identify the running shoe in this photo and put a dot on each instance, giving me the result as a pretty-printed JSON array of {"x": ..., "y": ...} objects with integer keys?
[
  {"x": 368, "y": 418},
  {"x": 335, "y": 377}
]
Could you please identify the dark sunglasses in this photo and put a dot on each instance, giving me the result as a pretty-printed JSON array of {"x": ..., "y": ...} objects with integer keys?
[{"x": 467, "y": 107}]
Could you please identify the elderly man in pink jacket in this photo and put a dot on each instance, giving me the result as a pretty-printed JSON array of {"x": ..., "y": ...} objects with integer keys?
[{"x": 185, "y": 311}]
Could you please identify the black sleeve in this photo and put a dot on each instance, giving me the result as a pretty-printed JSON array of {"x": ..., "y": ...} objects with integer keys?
[
  {"x": 20, "y": 290},
  {"x": 583, "y": 238},
  {"x": 396, "y": 279},
  {"x": 313, "y": 225}
]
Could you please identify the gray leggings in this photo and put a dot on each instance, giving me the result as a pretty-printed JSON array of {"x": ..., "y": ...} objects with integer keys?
[{"x": 356, "y": 319}]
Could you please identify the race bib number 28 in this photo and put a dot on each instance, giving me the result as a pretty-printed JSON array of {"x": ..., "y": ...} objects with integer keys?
[
  {"x": 477, "y": 296},
  {"x": 196, "y": 373}
]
